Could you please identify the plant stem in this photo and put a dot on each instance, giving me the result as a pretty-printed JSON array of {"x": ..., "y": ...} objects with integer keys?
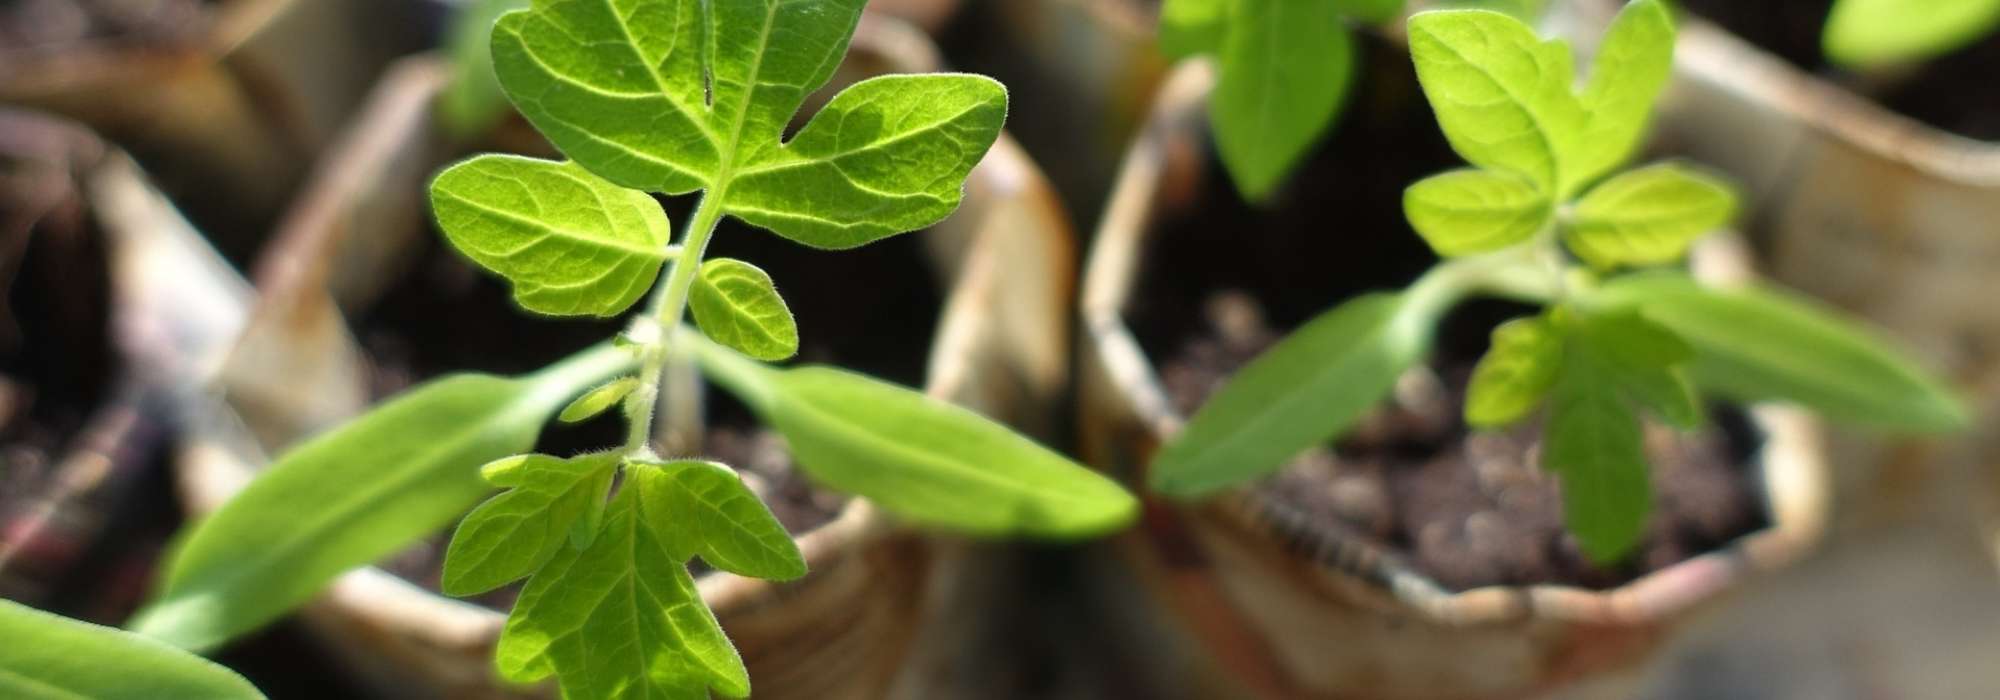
[{"x": 669, "y": 306}]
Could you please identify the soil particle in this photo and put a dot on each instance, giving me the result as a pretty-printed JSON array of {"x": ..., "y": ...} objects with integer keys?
[{"x": 1471, "y": 508}]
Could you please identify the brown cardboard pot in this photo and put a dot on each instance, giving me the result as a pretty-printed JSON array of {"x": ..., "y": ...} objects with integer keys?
[
  {"x": 883, "y": 605},
  {"x": 229, "y": 104},
  {"x": 1237, "y": 604}
]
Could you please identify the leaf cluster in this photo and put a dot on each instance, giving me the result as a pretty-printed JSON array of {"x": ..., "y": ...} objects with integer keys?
[{"x": 1612, "y": 349}]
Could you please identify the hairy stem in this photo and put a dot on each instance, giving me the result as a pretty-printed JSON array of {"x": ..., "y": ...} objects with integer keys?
[{"x": 669, "y": 306}]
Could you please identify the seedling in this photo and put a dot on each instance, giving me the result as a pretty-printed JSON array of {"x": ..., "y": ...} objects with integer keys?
[
  {"x": 1284, "y": 71},
  {"x": 1542, "y": 219},
  {"x": 50, "y": 656},
  {"x": 1872, "y": 33},
  {"x": 671, "y": 97}
]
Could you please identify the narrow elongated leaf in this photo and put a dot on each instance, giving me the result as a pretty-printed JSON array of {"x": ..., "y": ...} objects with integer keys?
[
  {"x": 1307, "y": 389},
  {"x": 922, "y": 458},
  {"x": 1189, "y": 27},
  {"x": 1595, "y": 444},
  {"x": 619, "y": 619},
  {"x": 1516, "y": 373},
  {"x": 571, "y": 243},
  {"x": 1632, "y": 67},
  {"x": 1648, "y": 216},
  {"x": 887, "y": 155},
  {"x": 703, "y": 509},
  {"x": 1464, "y": 212},
  {"x": 1763, "y": 344},
  {"x": 1501, "y": 94},
  {"x": 677, "y": 95},
  {"x": 1286, "y": 68},
  {"x": 48, "y": 657},
  {"x": 1370, "y": 11},
  {"x": 736, "y": 304},
  {"x": 514, "y": 533},
  {"x": 1877, "y": 32},
  {"x": 597, "y": 400},
  {"x": 353, "y": 495}
]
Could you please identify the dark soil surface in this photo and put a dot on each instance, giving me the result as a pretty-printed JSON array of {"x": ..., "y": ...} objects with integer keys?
[
  {"x": 1953, "y": 92},
  {"x": 1471, "y": 508},
  {"x": 872, "y": 309}
]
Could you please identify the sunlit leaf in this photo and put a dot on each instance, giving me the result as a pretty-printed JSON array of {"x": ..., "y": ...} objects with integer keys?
[
  {"x": 619, "y": 619},
  {"x": 703, "y": 509},
  {"x": 1464, "y": 212},
  {"x": 571, "y": 243},
  {"x": 1516, "y": 373},
  {"x": 353, "y": 495},
  {"x": 1648, "y": 216},
  {"x": 920, "y": 457},
  {"x": 514, "y": 533},
  {"x": 47, "y": 657},
  {"x": 1502, "y": 95},
  {"x": 1632, "y": 66},
  {"x": 736, "y": 304}
]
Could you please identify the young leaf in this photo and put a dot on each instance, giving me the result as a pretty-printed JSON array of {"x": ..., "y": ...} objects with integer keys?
[
  {"x": 1306, "y": 390},
  {"x": 703, "y": 509},
  {"x": 1595, "y": 444},
  {"x": 1286, "y": 67},
  {"x": 48, "y": 657},
  {"x": 677, "y": 95},
  {"x": 571, "y": 243},
  {"x": 920, "y": 457},
  {"x": 1189, "y": 27},
  {"x": 1516, "y": 373},
  {"x": 1464, "y": 212},
  {"x": 619, "y": 619},
  {"x": 1759, "y": 344},
  {"x": 736, "y": 305},
  {"x": 1501, "y": 94},
  {"x": 353, "y": 495},
  {"x": 1648, "y": 216},
  {"x": 597, "y": 400},
  {"x": 1632, "y": 67},
  {"x": 514, "y": 533},
  {"x": 1875, "y": 32},
  {"x": 1641, "y": 359}
]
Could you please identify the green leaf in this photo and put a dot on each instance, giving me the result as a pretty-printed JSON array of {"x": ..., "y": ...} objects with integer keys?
[
  {"x": 677, "y": 95},
  {"x": 1516, "y": 373},
  {"x": 920, "y": 457},
  {"x": 1865, "y": 33},
  {"x": 48, "y": 657},
  {"x": 1501, "y": 94},
  {"x": 1464, "y": 212},
  {"x": 1595, "y": 444},
  {"x": 1648, "y": 216},
  {"x": 571, "y": 243},
  {"x": 353, "y": 495},
  {"x": 597, "y": 400},
  {"x": 1643, "y": 360},
  {"x": 1307, "y": 389},
  {"x": 619, "y": 619},
  {"x": 1756, "y": 344},
  {"x": 473, "y": 102},
  {"x": 1189, "y": 27},
  {"x": 514, "y": 533},
  {"x": 1370, "y": 11},
  {"x": 1286, "y": 68},
  {"x": 735, "y": 304},
  {"x": 703, "y": 508},
  {"x": 1633, "y": 64},
  {"x": 887, "y": 155}
]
